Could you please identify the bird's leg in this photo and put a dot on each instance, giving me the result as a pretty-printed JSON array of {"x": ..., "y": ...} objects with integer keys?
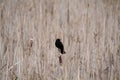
[{"x": 60, "y": 59}]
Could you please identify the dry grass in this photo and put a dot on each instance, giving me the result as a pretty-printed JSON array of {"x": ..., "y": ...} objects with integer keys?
[{"x": 89, "y": 29}]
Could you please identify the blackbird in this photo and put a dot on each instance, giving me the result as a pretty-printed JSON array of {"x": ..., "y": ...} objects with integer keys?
[{"x": 60, "y": 46}]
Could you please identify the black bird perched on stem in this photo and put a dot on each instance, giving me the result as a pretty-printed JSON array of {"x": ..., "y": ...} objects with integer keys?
[{"x": 60, "y": 46}]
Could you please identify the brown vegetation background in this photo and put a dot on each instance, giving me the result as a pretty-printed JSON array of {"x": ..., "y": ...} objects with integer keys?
[{"x": 89, "y": 29}]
